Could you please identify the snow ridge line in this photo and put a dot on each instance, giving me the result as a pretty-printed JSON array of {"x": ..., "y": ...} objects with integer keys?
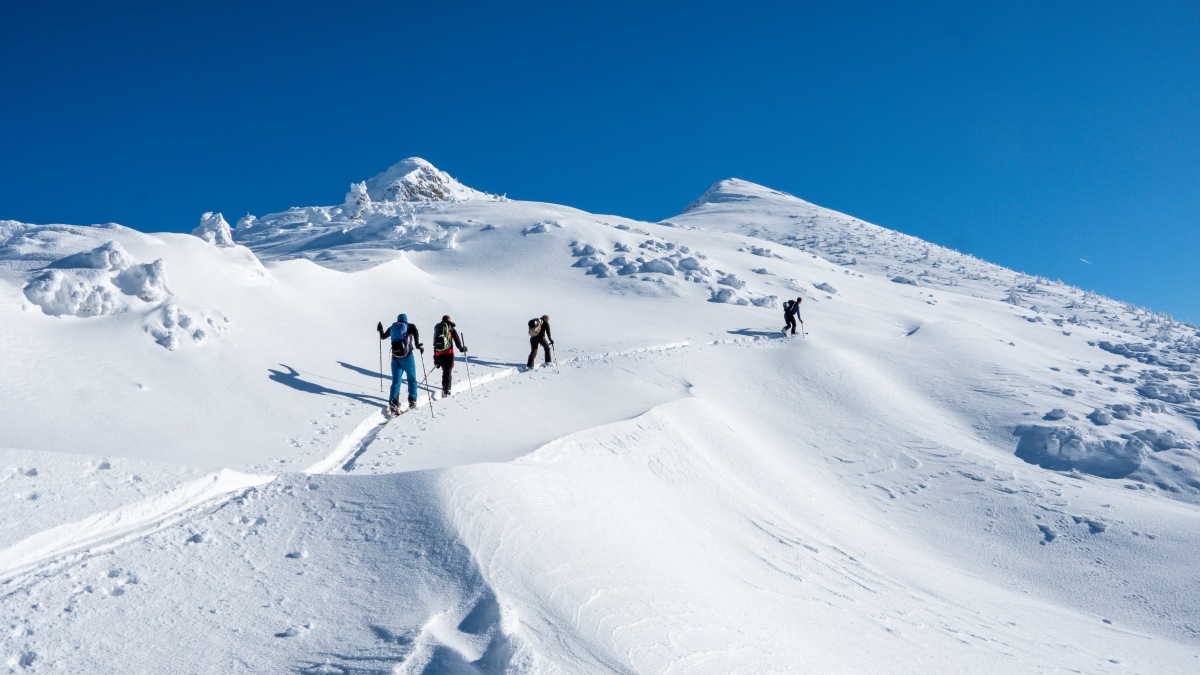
[
  {"x": 108, "y": 529},
  {"x": 350, "y": 448}
]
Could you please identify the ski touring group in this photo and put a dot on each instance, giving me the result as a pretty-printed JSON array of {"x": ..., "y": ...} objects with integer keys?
[{"x": 406, "y": 339}]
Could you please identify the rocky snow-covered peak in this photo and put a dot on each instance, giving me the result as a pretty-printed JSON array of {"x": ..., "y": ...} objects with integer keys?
[{"x": 416, "y": 180}]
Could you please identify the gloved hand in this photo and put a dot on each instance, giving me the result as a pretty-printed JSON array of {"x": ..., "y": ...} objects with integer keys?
[
  {"x": 552, "y": 343},
  {"x": 379, "y": 326},
  {"x": 421, "y": 348},
  {"x": 464, "y": 350}
]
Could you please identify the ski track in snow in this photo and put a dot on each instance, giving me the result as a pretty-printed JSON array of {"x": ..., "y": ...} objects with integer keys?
[
  {"x": 49, "y": 549},
  {"x": 355, "y": 444}
]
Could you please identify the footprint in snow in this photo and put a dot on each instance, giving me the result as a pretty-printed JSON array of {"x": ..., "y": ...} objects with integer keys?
[{"x": 293, "y": 631}]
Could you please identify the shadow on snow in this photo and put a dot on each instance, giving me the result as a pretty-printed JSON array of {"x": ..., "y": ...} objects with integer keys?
[{"x": 292, "y": 379}]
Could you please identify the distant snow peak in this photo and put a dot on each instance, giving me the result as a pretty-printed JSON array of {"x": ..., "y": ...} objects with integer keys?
[
  {"x": 415, "y": 180},
  {"x": 733, "y": 190},
  {"x": 214, "y": 230}
]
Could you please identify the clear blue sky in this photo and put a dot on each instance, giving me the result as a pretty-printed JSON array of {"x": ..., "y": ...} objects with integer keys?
[{"x": 1029, "y": 133}]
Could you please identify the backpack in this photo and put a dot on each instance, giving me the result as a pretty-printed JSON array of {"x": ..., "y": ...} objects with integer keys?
[
  {"x": 535, "y": 327},
  {"x": 402, "y": 343},
  {"x": 441, "y": 338},
  {"x": 787, "y": 306}
]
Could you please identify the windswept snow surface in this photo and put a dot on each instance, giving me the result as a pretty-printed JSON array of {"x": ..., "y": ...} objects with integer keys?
[{"x": 959, "y": 469}]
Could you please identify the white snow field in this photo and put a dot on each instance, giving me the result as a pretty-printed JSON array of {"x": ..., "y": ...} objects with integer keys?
[{"x": 959, "y": 469}]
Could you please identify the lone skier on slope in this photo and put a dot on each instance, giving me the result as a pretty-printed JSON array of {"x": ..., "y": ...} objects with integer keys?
[
  {"x": 405, "y": 338},
  {"x": 791, "y": 312},
  {"x": 539, "y": 335},
  {"x": 444, "y": 340}
]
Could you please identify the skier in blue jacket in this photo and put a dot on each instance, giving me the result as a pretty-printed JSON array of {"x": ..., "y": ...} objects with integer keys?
[{"x": 405, "y": 339}]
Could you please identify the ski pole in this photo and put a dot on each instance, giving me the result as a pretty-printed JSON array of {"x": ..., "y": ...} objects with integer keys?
[
  {"x": 554, "y": 356},
  {"x": 427, "y": 392},
  {"x": 380, "y": 365},
  {"x": 467, "y": 358}
]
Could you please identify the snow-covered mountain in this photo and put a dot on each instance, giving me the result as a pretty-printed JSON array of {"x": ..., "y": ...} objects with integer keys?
[{"x": 960, "y": 467}]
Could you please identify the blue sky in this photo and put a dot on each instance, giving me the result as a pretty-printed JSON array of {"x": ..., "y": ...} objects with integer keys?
[{"x": 1031, "y": 134}]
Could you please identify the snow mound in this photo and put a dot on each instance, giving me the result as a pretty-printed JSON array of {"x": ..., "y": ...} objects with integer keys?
[
  {"x": 147, "y": 282},
  {"x": 1065, "y": 449},
  {"x": 416, "y": 180},
  {"x": 108, "y": 256},
  {"x": 88, "y": 292},
  {"x": 173, "y": 325},
  {"x": 81, "y": 293},
  {"x": 214, "y": 230}
]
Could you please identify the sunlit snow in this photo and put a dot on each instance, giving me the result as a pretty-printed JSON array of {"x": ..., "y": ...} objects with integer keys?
[{"x": 958, "y": 468}]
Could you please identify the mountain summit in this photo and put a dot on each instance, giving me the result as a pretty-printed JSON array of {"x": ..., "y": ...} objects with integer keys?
[
  {"x": 415, "y": 180},
  {"x": 732, "y": 190}
]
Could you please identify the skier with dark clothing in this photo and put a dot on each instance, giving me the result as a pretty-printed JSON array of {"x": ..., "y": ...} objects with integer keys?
[
  {"x": 791, "y": 312},
  {"x": 445, "y": 338},
  {"x": 405, "y": 339},
  {"x": 539, "y": 335}
]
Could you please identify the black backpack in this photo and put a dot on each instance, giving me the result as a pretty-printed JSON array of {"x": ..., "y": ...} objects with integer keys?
[
  {"x": 787, "y": 306},
  {"x": 535, "y": 327},
  {"x": 441, "y": 337}
]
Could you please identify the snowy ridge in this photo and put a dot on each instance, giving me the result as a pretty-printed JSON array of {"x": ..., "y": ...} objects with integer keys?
[{"x": 958, "y": 468}]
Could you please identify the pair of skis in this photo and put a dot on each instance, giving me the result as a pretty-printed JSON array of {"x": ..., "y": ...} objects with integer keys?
[{"x": 553, "y": 359}]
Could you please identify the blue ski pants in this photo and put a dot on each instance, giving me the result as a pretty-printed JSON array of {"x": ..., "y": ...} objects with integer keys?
[{"x": 408, "y": 366}]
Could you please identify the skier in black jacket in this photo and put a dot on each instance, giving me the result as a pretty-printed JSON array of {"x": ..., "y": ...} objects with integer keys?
[
  {"x": 445, "y": 338},
  {"x": 791, "y": 312},
  {"x": 539, "y": 335}
]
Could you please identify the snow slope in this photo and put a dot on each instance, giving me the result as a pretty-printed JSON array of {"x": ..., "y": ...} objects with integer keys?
[{"x": 959, "y": 468}]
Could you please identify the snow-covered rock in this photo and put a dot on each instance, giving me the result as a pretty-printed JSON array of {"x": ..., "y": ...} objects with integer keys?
[
  {"x": 147, "y": 282},
  {"x": 214, "y": 230},
  {"x": 74, "y": 293},
  {"x": 357, "y": 200}
]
